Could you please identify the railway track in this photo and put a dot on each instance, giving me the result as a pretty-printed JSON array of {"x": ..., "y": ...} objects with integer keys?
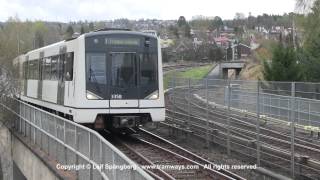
[
  {"x": 243, "y": 132},
  {"x": 165, "y": 160},
  {"x": 268, "y": 134}
]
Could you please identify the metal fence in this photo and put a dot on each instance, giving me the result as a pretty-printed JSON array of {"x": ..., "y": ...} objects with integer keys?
[
  {"x": 70, "y": 143},
  {"x": 239, "y": 115}
]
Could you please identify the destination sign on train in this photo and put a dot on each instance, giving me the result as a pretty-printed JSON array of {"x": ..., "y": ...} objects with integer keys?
[{"x": 123, "y": 41}]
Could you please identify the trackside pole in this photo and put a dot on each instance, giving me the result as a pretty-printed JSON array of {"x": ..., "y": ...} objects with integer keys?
[
  {"x": 189, "y": 98},
  {"x": 292, "y": 119},
  {"x": 207, "y": 113},
  {"x": 174, "y": 100},
  {"x": 228, "y": 119},
  {"x": 258, "y": 124}
]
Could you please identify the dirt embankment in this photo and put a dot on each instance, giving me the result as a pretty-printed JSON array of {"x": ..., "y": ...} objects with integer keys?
[{"x": 252, "y": 71}]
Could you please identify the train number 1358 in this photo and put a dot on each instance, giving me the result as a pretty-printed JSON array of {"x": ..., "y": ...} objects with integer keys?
[{"x": 116, "y": 96}]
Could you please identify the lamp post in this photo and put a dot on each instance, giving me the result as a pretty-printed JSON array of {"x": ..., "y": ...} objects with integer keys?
[{"x": 19, "y": 41}]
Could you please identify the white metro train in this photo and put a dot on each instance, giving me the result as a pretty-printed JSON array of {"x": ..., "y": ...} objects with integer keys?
[{"x": 108, "y": 79}]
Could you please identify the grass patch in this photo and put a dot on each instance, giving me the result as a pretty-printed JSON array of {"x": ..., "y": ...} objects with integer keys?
[{"x": 194, "y": 73}]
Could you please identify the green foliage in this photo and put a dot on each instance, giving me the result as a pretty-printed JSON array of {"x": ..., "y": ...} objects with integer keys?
[
  {"x": 311, "y": 66},
  {"x": 284, "y": 65},
  {"x": 216, "y": 54},
  {"x": 310, "y": 55},
  {"x": 194, "y": 73}
]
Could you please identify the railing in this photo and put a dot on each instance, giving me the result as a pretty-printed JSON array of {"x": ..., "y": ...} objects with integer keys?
[
  {"x": 83, "y": 150},
  {"x": 290, "y": 108}
]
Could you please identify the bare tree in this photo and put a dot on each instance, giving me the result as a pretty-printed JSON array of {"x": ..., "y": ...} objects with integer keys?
[
  {"x": 7, "y": 88},
  {"x": 303, "y": 6},
  {"x": 8, "y": 85}
]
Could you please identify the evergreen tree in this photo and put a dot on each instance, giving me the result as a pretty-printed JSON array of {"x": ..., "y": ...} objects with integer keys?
[
  {"x": 218, "y": 23},
  {"x": 69, "y": 32},
  {"x": 91, "y": 26},
  {"x": 284, "y": 65},
  {"x": 82, "y": 31},
  {"x": 229, "y": 52},
  {"x": 187, "y": 30},
  {"x": 181, "y": 21},
  {"x": 216, "y": 54},
  {"x": 311, "y": 53}
]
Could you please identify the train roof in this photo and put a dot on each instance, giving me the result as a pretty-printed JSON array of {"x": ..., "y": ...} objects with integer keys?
[
  {"x": 117, "y": 32},
  {"x": 45, "y": 47},
  {"x": 93, "y": 33}
]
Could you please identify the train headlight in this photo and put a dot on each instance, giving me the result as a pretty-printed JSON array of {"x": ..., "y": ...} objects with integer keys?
[
  {"x": 154, "y": 95},
  {"x": 92, "y": 96}
]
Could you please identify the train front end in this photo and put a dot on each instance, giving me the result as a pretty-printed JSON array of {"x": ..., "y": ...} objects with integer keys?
[{"x": 124, "y": 77}]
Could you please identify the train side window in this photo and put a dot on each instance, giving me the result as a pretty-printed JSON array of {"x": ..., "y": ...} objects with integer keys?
[
  {"x": 40, "y": 69},
  {"x": 47, "y": 68},
  {"x": 25, "y": 70},
  {"x": 36, "y": 69},
  {"x": 54, "y": 67},
  {"x": 43, "y": 68},
  {"x": 68, "y": 70},
  {"x": 61, "y": 66},
  {"x": 31, "y": 69}
]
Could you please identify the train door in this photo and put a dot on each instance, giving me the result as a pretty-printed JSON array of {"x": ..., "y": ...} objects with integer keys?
[{"x": 122, "y": 75}]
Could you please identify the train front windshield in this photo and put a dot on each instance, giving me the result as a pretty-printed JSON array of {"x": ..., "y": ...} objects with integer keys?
[{"x": 121, "y": 67}]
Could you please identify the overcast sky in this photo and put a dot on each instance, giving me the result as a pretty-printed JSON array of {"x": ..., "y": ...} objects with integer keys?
[{"x": 73, "y": 10}]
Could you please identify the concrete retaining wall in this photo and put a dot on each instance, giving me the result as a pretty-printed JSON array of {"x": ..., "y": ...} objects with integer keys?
[
  {"x": 30, "y": 165},
  {"x": 5, "y": 153}
]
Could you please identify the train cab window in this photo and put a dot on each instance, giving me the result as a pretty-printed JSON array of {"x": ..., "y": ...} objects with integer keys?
[
  {"x": 124, "y": 69},
  {"x": 68, "y": 63},
  {"x": 54, "y": 67},
  {"x": 96, "y": 75},
  {"x": 148, "y": 69}
]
